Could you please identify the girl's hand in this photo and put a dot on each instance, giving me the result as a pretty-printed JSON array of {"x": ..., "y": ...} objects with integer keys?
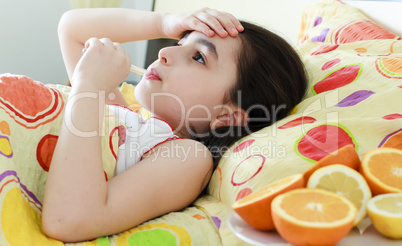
[
  {"x": 103, "y": 66},
  {"x": 207, "y": 21}
]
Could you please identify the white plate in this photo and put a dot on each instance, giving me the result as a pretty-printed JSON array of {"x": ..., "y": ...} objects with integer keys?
[{"x": 240, "y": 228}]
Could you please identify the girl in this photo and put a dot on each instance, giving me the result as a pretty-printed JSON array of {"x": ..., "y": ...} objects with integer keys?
[{"x": 223, "y": 80}]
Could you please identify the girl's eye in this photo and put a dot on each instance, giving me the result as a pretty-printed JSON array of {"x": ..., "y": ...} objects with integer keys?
[{"x": 199, "y": 58}]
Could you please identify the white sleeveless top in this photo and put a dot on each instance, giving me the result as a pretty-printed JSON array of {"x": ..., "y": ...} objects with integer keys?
[{"x": 137, "y": 137}]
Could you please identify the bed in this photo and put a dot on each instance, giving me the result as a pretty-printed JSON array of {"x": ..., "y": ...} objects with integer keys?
[{"x": 355, "y": 86}]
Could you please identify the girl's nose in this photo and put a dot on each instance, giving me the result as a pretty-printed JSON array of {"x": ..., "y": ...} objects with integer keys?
[
  {"x": 162, "y": 59},
  {"x": 166, "y": 55}
]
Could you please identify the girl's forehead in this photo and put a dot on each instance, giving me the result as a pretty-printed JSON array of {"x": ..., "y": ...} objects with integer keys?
[
  {"x": 220, "y": 47},
  {"x": 194, "y": 35}
]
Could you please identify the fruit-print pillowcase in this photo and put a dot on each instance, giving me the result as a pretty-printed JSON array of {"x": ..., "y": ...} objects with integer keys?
[
  {"x": 353, "y": 97},
  {"x": 332, "y": 21}
]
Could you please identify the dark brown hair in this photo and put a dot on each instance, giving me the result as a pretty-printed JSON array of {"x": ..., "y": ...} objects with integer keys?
[{"x": 271, "y": 81}]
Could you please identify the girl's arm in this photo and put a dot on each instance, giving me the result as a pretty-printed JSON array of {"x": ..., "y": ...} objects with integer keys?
[
  {"x": 78, "y": 203},
  {"x": 119, "y": 25},
  {"x": 126, "y": 25}
]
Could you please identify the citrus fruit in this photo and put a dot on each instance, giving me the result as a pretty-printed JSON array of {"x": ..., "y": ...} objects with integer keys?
[
  {"x": 312, "y": 216},
  {"x": 382, "y": 168},
  {"x": 385, "y": 211},
  {"x": 255, "y": 208},
  {"x": 393, "y": 140},
  {"x": 344, "y": 181},
  {"x": 345, "y": 155}
]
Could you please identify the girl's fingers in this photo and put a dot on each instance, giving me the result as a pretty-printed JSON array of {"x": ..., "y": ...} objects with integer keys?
[
  {"x": 198, "y": 25},
  {"x": 236, "y": 23},
  {"x": 220, "y": 22},
  {"x": 212, "y": 22},
  {"x": 227, "y": 21},
  {"x": 91, "y": 42},
  {"x": 118, "y": 47},
  {"x": 107, "y": 43},
  {"x": 113, "y": 49}
]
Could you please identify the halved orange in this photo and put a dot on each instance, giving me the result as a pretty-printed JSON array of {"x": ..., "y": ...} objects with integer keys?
[
  {"x": 382, "y": 169},
  {"x": 255, "y": 209},
  {"x": 309, "y": 216},
  {"x": 346, "y": 155},
  {"x": 394, "y": 140}
]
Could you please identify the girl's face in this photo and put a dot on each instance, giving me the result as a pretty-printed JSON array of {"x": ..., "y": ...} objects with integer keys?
[{"x": 188, "y": 82}]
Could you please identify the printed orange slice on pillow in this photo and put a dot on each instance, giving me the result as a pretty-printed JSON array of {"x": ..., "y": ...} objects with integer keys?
[
  {"x": 312, "y": 216},
  {"x": 12, "y": 88},
  {"x": 382, "y": 169},
  {"x": 360, "y": 30},
  {"x": 345, "y": 155},
  {"x": 48, "y": 101},
  {"x": 390, "y": 67},
  {"x": 255, "y": 209}
]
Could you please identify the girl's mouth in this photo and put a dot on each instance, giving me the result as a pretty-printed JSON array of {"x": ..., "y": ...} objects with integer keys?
[{"x": 152, "y": 74}]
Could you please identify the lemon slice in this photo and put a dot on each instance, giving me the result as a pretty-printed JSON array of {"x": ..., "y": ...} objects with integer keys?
[
  {"x": 385, "y": 211},
  {"x": 345, "y": 181}
]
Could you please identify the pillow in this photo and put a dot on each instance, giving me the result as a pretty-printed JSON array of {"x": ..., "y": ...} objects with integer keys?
[
  {"x": 353, "y": 98},
  {"x": 355, "y": 86},
  {"x": 332, "y": 21}
]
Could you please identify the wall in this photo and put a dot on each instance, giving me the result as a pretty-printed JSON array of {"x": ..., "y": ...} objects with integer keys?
[
  {"x": 269, "y": 13},
  {"x": 29, "y": 43},
  {"x": 284, "y": 16}
]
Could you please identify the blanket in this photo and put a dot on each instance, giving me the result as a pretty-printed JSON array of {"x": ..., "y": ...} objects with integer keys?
[{"x": 31, "y": 115}]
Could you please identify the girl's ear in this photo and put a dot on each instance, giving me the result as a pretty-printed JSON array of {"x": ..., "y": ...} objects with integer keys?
[{"x": 238, "y": 117}]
